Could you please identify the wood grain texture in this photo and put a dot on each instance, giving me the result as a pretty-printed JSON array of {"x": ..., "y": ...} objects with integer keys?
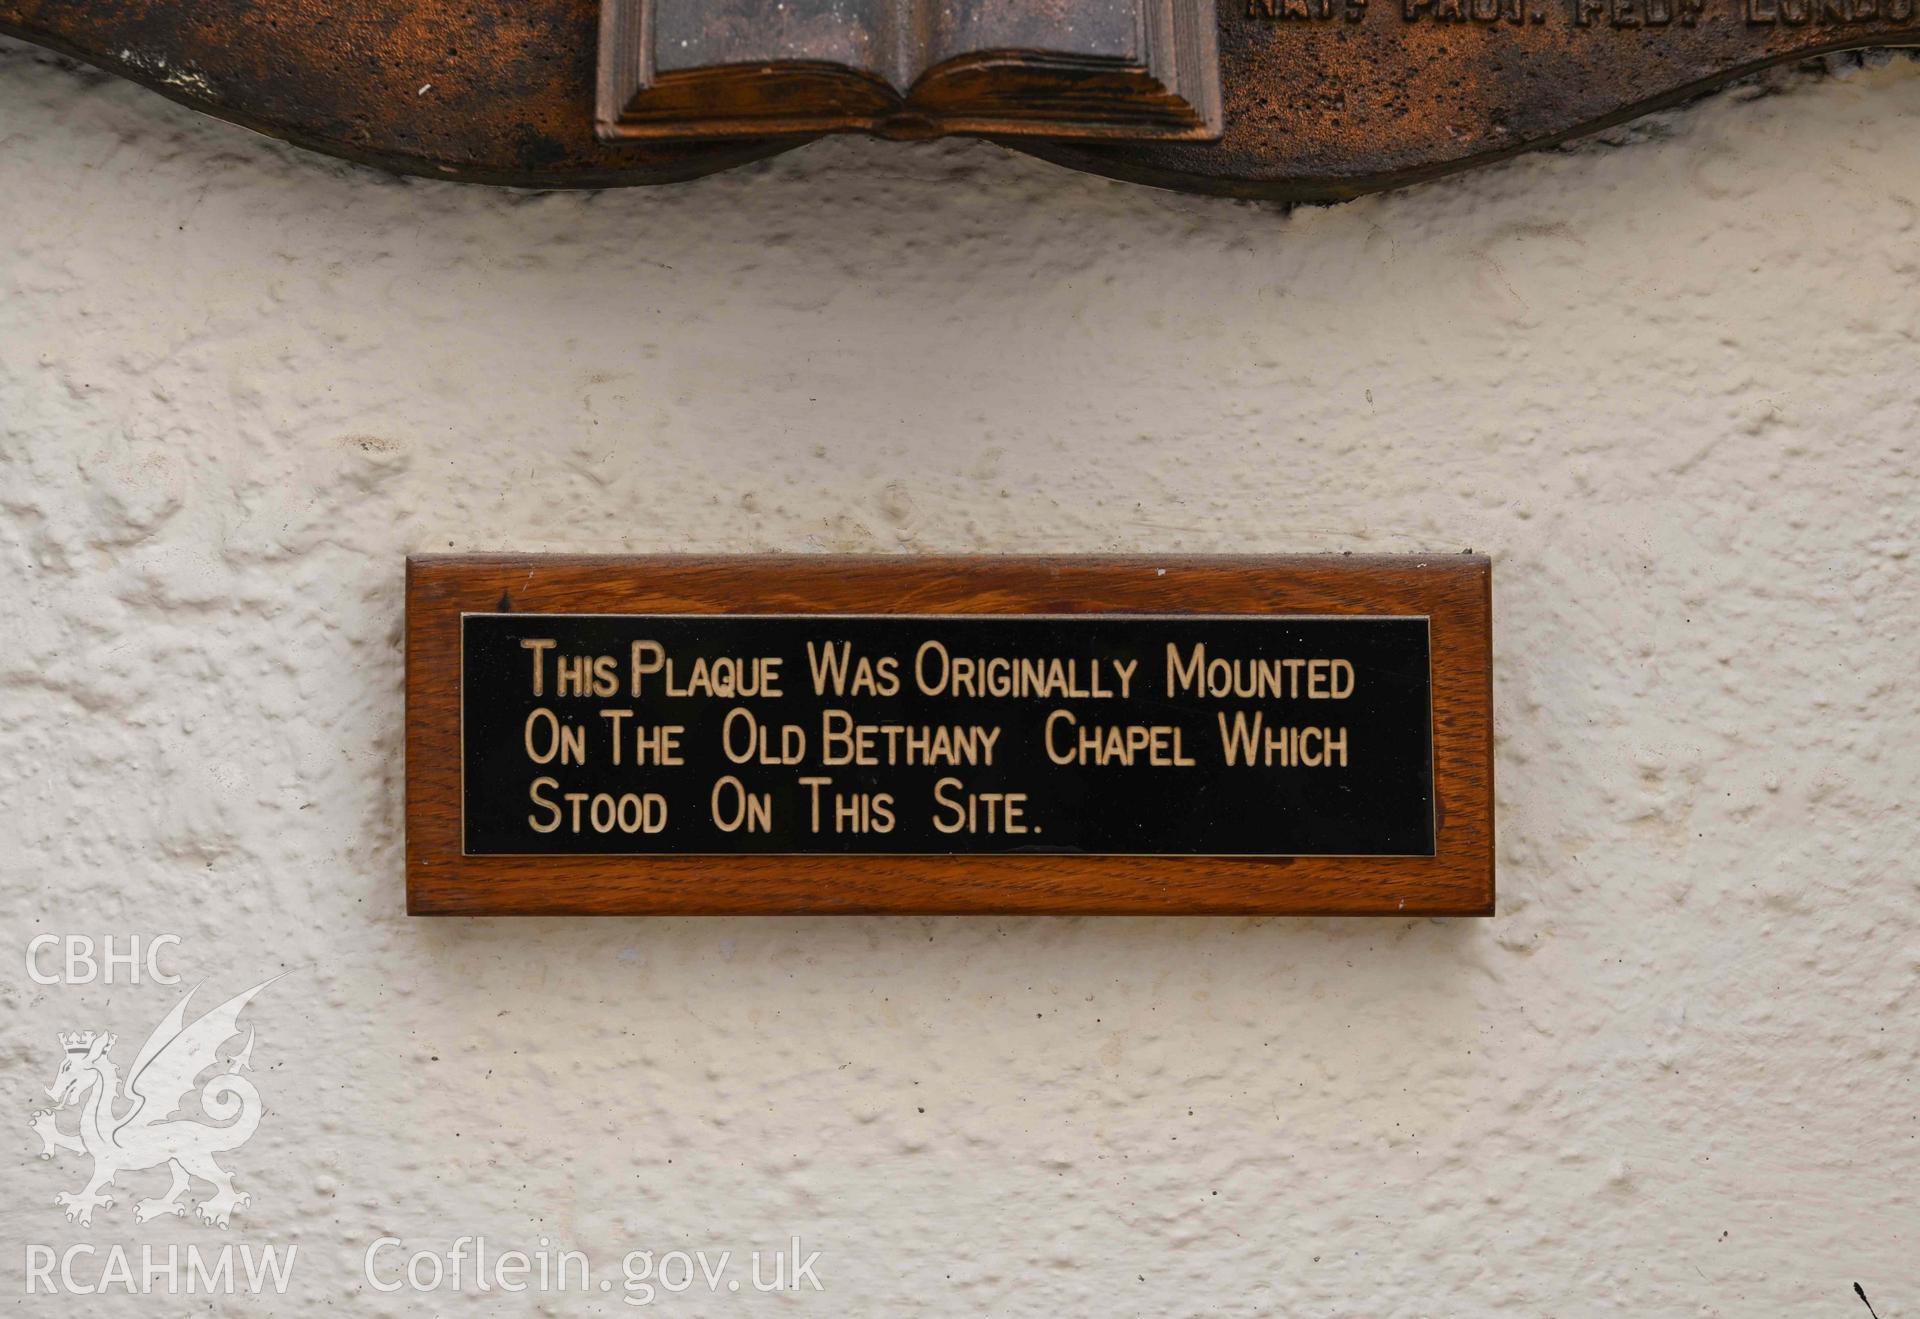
[{"x": 1453, "y": 591}]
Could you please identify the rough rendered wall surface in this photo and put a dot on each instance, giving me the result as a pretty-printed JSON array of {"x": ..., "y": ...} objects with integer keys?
[{"x": 1668, "y": 382}]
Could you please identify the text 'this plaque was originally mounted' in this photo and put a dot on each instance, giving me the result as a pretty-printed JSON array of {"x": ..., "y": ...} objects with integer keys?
[{"x": 959, "y": 735}]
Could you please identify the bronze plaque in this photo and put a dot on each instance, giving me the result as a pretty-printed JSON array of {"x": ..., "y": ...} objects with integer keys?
[{"x": 1283, "y": 99}]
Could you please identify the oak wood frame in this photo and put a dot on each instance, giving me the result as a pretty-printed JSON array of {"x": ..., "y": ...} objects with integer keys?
[{"x": 1453, "y": 591}]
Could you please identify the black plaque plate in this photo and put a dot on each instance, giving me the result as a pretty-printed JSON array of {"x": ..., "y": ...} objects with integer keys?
[{"x": 1070, "y": 734}]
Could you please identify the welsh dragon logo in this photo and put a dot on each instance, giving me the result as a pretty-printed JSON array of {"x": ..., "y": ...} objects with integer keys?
[{"x": 130, "y": 1127}]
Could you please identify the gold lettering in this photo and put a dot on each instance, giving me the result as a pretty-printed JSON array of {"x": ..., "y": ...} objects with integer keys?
[
  {"x": 539, "y": 646},
  {"x": 616, "y": 718},
  {"x": 534, "y": 792},
  {"x": 655, "y": 660}
]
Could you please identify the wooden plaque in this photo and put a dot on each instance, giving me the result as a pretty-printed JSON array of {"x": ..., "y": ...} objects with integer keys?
[{"x": 957, "y": 735}]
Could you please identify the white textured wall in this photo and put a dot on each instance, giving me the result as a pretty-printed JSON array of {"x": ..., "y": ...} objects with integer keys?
[{"x": 1670, "y": 384}]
